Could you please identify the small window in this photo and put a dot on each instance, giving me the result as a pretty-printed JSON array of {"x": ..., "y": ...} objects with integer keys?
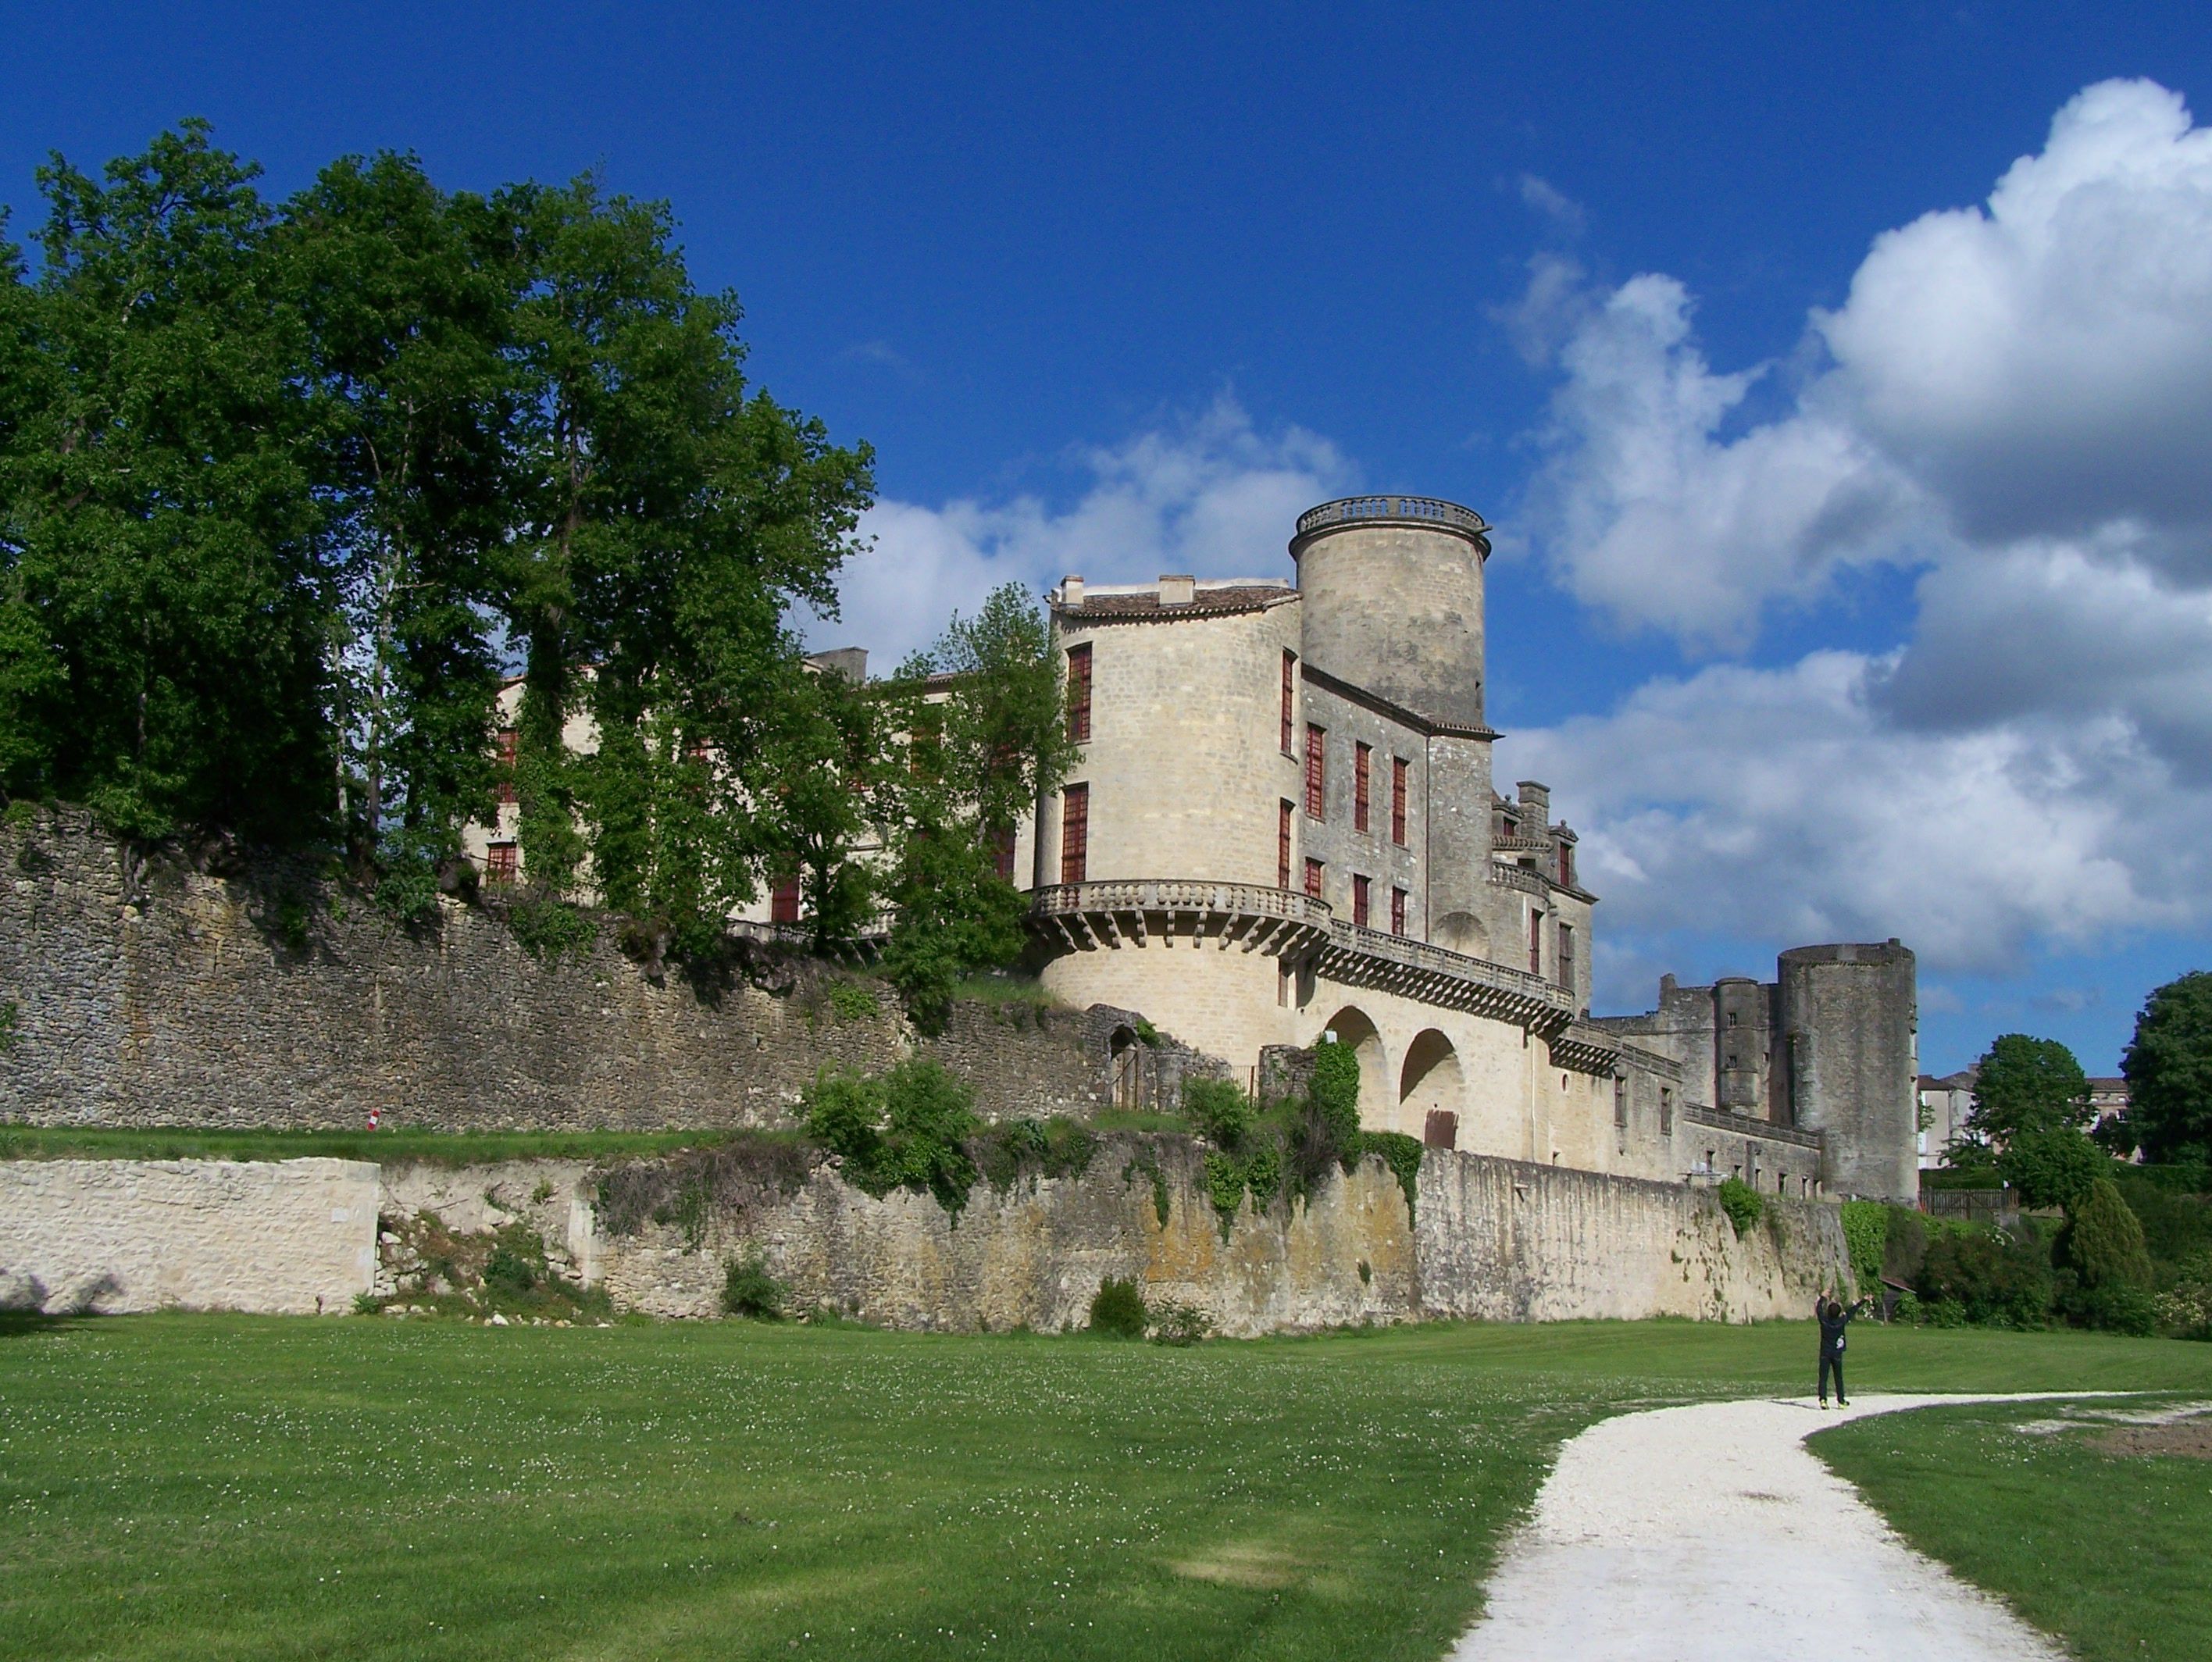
[
  {"x": 1619, "y": 1104},
  {"x": 1363, "y": 761},
  {"x": 1002, "y": 852},
  {"x": 1397, "y": 912},
  {"x": 1666, "y": 1115},
  {"x": 1283, "y": 844},
  {"x": 1317, "y": 772},
  {"x": 1535, "y": 943},
  {"x": 1074, "y": 832},
  {"x": 1079, "y": 692},
  {"x": 1441, "y": 1130},
  {"x": 783, "y": 901},
  {"x": 1359, "y": 901},
  {"x": 1314, "y": 878},
  {"x": 509, "y": 741},
  {"x": 503, "y": 862},
  {"x": 1290, "y": 694},
  {"x": 1567, "y": 864},
  {"x": 1566, "y": 967},
  {"x": 1731, "y": 1018},
  {"x": 1398, "y": 771}
]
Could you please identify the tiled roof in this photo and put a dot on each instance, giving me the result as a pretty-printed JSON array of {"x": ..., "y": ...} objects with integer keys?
[{"x": 1245, "y": 597}]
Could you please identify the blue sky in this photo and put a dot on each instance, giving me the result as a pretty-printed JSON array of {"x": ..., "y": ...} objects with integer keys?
[{"x": 1854, "y": 563}]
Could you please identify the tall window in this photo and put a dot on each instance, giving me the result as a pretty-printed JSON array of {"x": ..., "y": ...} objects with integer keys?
[
  {"x": 1397, "y": 912},
  {"x": 510, "y": 741},
  {"x": 1078, "y": 692},
  {"x": 783, "y": 901},
  {"x": 1002, "y": 852},
  {"x": 1359, "y": 901},
  {"x": 1283, "y": 846},
  {"x": 1074, "y": 832},
  {"x": 1363, "y": 763},
  {"x": 1312, "y": 877},
  {"x": 1619, "y": 1104},
  {"x": 1567, "y": 863},
  {"x": 1317, "y": 772},
  {"x": 1535, "y": 943},
  {"x": 1290, "y": 685},
  {"x": 503, "y": 862},
  {"x": 1567, "y": 955},
  {"x": 1667, "y": 1118},
  {"x": 1398, "y": 800}
]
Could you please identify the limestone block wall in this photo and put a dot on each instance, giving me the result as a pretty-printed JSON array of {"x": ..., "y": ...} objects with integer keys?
[
  {"x": 296, "y": 1237},
  {"x": 173, "y": 996},
  {"x": 1505, "y": 1241}
]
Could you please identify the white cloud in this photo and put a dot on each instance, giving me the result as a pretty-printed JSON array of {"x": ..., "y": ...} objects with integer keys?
[
  {"x": 1210, "y": 495},
  {"x": 2015, "y": 400}
]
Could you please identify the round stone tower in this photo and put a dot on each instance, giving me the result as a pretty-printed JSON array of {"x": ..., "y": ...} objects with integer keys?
[
  {"x": 1848, "y": 1015},
  {"x": 1391, "y": 588}
]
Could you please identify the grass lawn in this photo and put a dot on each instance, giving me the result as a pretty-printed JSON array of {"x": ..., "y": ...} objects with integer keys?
[
  {"x": 2108, "y": 1547},
  {"x": 180, "y": 1486},
  {"x": 385, "y": 1147}
]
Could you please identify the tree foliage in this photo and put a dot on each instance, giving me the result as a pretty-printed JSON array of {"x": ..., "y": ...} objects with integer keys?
[
  {"x": 2102, "y": 1242},
  {"x": 2053, "y": 1166},
  {"x": 2024, "y": 1084},
  {"x": 2168, "y": 1068}
]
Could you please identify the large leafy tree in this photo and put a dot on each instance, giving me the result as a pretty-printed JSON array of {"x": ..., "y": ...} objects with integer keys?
[
  {"x": 2024, "y": 1086},
  {"x": 828, "y": 787},
  {"x": 2168, "y": 1068},
  {"x": 986, "y": 715},
  {"x": 407, "y": 295},
  {"x": 670, "y": 518},
  {"x": 162, "y": 656}
]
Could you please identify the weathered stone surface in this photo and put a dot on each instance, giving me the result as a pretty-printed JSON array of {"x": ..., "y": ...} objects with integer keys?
[
  {"x": 267, "y": 1001},
  {"x": 291, "y": 1237}
]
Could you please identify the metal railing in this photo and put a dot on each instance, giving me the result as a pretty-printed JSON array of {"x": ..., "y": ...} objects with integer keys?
[{"x": 1352, "y": 510}]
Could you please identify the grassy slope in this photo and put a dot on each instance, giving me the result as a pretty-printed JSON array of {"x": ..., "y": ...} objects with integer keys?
[
  {"x": 2107, "y": 1551},
  {"x": 216, "y": 1486}
]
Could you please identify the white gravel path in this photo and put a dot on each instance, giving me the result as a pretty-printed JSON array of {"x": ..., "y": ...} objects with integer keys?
[{"x": 1712, "y": 1533}]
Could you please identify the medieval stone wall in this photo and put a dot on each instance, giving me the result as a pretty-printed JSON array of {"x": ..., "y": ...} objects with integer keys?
[
  {"x": 170, "y": 996},
  {"x": 296, "y": 1237}
]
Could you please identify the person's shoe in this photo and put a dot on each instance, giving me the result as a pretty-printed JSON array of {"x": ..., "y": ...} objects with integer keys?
[
  {"x": 1842, "y": 1402},
  {"x": 1823, "y": 1405}
]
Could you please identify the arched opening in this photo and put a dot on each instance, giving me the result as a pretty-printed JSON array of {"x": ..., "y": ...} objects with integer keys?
[
  {"x": 1431, "y": 1089},
  {"x": 1126, "y": 1051},
  {"x": 1462, "y": 931},
  {"x": 1351, "y": 1026}
]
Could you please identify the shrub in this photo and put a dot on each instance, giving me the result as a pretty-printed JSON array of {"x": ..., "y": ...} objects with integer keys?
[
  {"x": 1334, "y": 1097},
  {"x": 1403, "y": 1154},
  {"x": 1980, "y": 1275},
  {"x": 905, "y": 1130},
  {"x": 852, "y": 1001},
  {"x": 1055, "y": 1148},
  {"x": 748, "y": 1290},
  {"x": 1741, "y": 1203},
  {"x": 2052, "y": 1167},
  {"x": 2102, "y": 1243},
  {"x": 549, "y": 929},
  {"x": 2128, "y": 1310},
  {"x": 517, "y": 1263},
  {"x": 1866, "y": 1233},
  {"x": 2185, "y": 1310},
  {"x": 1117, "y": 1310},
  {"x": 1219, "y": 1112},
  {"x": 1180, "y": 1325},
  {"x": 1904, "y": 1247}
]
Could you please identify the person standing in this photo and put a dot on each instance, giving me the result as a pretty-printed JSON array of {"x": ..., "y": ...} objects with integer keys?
[{"x": 1834, "y": 1316}]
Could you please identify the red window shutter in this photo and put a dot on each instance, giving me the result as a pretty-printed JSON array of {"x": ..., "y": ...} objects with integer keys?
[
  {"x": 1002, "y": 852},
  {"x": 510, "y": 743},
  {"x": 783, "y": 901},
  {"x": 1536, "y": 943},
  {"x": 1282, "y": 846},
  {"x": 1398, "y": 800},
  {"x": 503, "y": 862},
  {"x": 1359, "y": 901},
  {"x": 1397, "y": 912},
  {"x": 1317, "y": 772},
  {"x": 1074, "y": 832},
  {"x": 1567, "y": 955},
  {"x": 1290, "y": 685},
  {"x": 1078, "y": 692},
  {"x": 1362, "y": 758},
  {"x": 1313, "y": 878},
  {"x": 1567, "y": 863}
]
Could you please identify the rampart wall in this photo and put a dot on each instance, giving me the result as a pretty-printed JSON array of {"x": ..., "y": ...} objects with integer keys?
[{"x": 175, "y": 996}]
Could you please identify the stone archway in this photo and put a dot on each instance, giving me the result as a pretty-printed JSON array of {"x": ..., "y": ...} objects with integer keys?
[
  {"x": 1127, "y": 1053},
  {"x": 1432, "y": 1089},
  {"x": 1353, "y": 1027}
]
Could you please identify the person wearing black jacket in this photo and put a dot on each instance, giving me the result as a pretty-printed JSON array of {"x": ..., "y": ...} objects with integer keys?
[{"x": 1834, "y": 1316}]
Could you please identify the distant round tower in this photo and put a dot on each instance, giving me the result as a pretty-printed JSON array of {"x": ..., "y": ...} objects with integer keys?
[
  {"x": 1848, "y": 1015},
  {"x": 1392, "y": 589}
]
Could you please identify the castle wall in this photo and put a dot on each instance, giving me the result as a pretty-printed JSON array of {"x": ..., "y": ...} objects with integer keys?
[
  {"x": 196, "y": 1010},
  {"x": 291, "y": 1238},
  {"x": 1490, "y": 1239}
]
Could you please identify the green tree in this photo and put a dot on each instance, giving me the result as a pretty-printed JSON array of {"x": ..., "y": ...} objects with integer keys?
[
  {"x": 2024, "y": 1084},
  {"x": 2053, "y": 1166},
  {"x": 2168, "y": 1068},
  {"x": 163, "y": 653},
  {"x": 2102, "y": 1242},
  {"x": 824, "y": 770},
  {"x": 407, "y": 295},
  {"x": 985, "y": 717}
]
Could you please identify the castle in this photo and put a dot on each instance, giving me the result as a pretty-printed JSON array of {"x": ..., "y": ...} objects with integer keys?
[{"x": 1283, "y": 825}]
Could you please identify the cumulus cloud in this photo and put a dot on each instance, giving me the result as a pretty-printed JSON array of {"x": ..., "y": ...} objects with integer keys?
[
  {"x": 1210, "y": 496},
  {"x": 2014, "y": 402}
]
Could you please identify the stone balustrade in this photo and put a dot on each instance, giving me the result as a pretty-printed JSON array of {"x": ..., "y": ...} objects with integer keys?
[{"x": 1250, "y": 915}]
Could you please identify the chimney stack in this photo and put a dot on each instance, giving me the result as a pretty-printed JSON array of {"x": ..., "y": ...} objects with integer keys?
[
  {"x": 1177, "y": 590},
  {"x": 1071, "y": 590}
]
